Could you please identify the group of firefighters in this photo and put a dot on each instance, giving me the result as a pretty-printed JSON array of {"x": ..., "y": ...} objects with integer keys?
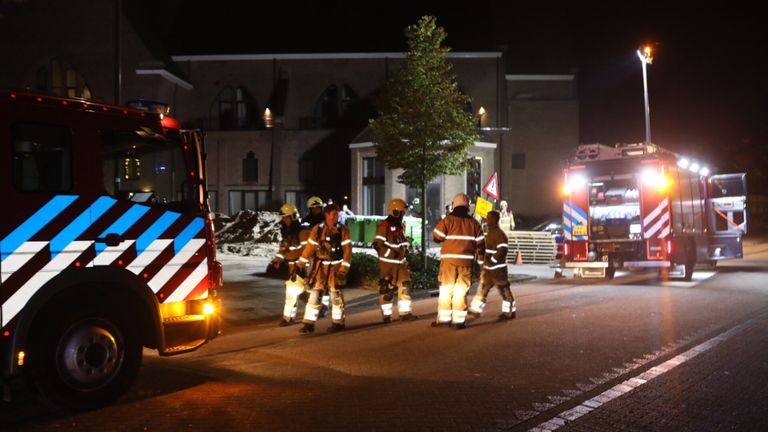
[{"x": 317, "y": 251}]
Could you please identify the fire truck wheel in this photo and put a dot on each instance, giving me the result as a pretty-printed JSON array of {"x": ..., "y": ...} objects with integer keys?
[{"x": 86, "y": 359}]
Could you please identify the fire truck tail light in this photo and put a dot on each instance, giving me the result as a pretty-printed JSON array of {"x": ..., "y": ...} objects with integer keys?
[
  {"x": 20, "y": 358},
  {"x": 565, "y": 249},
  {"x": 669, "y": 247},
  {"x": 208, "y": 308}
]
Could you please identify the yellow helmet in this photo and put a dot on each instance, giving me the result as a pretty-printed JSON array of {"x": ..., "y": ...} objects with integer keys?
[
  {"x": 397, "y": 205},
  {"x": 289, "y": 209},
  {"x": 460, "y": 200},
  {"x": 314, "y": 201}
]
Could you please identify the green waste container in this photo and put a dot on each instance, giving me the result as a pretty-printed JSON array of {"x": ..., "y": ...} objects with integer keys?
[
  {"x": 413, "y": 230},
  {"x": 355, "y": 226},
  {"x": 371, "y": 224}
]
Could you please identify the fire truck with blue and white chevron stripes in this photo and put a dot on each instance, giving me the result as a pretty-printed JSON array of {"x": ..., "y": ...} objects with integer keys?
[
  {"x": 106, "y": 242},
  {"x": 640, "y": 205}
]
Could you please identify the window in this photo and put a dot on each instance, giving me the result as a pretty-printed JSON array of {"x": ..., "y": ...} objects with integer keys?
[
  {"x": 473, "y": 178},
  {"x": 373, "y": 186},
  {"x": 42, "y": 158},
  {"x": 250, "y": 168},
  {"x": 146, "y": 169},
  {"x": 72, "y": 90},
  {"x": 233, "y": 109},
  {"x": 333, "y": 104},
  {"x": 306, "y": 170},
  {"x": 299, "y": 199},
  {"x": 246, "y": 200},
  {"x": 213, "y": 201},
  {"x": 518, "y": 160}
]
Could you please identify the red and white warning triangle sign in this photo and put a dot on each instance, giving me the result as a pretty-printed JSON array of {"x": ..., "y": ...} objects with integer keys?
[{"x": 492, "y": 187}]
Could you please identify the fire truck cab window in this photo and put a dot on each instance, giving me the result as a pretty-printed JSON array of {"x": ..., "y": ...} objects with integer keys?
[
  {"x": 148, "y": 170},
  {"x": 727, "y": 187},
  {"x": 42, "y": 158},
  {"x": 614, "y": 208}
]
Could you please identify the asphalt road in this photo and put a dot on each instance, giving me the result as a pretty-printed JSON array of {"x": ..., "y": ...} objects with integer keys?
[{"x": 632, "y": 354}]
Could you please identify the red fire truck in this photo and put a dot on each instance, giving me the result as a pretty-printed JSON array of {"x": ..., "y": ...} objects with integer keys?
[
  {"x": 639, "y": 205},
  {"x": 107, "y": 245}
]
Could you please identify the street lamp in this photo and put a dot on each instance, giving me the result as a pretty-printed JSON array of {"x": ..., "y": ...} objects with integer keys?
[
  {"x": 646, "y": 58},
  {"x": 269, "y": 124}
]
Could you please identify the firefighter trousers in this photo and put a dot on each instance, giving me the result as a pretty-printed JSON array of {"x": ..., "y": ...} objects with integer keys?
[
  {"x": 489, "y": 279},
  {"x": 454, "y": 281},
  {"x": 325, "y": 279},
  {"x": 387, "y": 296},
  {"x": 294, "y": 290}
]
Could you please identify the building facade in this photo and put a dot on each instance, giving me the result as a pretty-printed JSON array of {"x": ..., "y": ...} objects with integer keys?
[{"x": 284, "y": 127}]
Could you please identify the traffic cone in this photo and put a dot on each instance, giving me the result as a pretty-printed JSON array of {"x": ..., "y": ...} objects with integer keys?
[{"x": 519, "y": 258}]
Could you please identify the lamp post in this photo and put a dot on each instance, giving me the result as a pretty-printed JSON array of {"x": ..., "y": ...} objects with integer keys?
[
  {"x": 646, "y": 58},
  {"x": 269, "y": 124}
]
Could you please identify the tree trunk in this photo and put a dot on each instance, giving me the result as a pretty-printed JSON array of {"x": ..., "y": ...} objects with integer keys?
[{"x": 424, "y": 224}]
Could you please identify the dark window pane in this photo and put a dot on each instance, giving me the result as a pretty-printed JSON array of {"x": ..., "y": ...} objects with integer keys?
[
  {"x": 41, "y": 158},
  {"x": 250, "y": 168}
]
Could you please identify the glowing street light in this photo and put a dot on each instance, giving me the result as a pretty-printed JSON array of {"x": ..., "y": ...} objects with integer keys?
[{"x": 646, "y": 57}]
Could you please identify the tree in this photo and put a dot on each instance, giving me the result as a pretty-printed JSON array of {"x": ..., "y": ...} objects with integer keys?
[{"x": 422, "y": 127}]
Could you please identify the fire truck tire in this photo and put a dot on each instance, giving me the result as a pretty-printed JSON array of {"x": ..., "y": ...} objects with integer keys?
[{"x": 84, "y": 359}]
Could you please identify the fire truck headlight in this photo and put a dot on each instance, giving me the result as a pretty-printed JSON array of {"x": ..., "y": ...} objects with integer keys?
[
  {"x": 208, "y": 308},
  {"x": 694, "y": 167},
  {"x": 683, "y": 163}
]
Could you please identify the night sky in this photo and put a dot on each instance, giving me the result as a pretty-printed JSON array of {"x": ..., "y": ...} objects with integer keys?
[{"x": 708, "y": 84}]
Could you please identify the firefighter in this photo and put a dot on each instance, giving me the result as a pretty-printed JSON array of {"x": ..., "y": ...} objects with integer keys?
[
  {"x": 494, "y": 271},
  {"x": 330, "y": 248},
  {"x": 293, "y": 240},
  {"x": 394, "y": 276},
  {"x": 314, "y": 217},
  {"x": 463, "y": 243}
]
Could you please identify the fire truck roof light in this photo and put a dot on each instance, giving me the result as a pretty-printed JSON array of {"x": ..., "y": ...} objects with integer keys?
[
  {"x": 694, "y": 167},
  {"x": 704, "y": 171},
  {"x": 683, "y": 163}
]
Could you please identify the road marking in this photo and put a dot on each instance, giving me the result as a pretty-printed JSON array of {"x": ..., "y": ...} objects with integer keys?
[{"x": 630, "y": 384}]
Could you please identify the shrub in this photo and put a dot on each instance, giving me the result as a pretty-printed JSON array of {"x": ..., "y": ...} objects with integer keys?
[
  {"x": 419, "y": 278},
  {"x": 364, "y": 272}
]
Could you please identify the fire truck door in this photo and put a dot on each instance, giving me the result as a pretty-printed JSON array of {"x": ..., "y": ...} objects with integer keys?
[{"x": 727, "y": 204}]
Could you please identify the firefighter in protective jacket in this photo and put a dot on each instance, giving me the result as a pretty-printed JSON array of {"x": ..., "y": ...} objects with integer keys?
[
  {"x": 330, "y": 249},
  {"x": 314, "y": 217},
  {"x": 392, "y": 246},
  {"x": 494, "y": 271},
  {"x": 294, "y": 238},
  {"x": 463, "y": 243}
]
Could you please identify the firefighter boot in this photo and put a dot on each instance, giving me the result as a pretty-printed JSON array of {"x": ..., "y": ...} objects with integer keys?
[
  {"x": 335, "y": 328},
  {"x": 307, "y": 329},
  {"x": 285, "y": 322},
  {"x": 408, "y": 317}
]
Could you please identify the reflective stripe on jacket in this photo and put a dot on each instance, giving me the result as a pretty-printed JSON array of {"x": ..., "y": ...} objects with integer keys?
[
  {"x": 496, "y": 246},
  {"x": 462, "y": 238}
]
